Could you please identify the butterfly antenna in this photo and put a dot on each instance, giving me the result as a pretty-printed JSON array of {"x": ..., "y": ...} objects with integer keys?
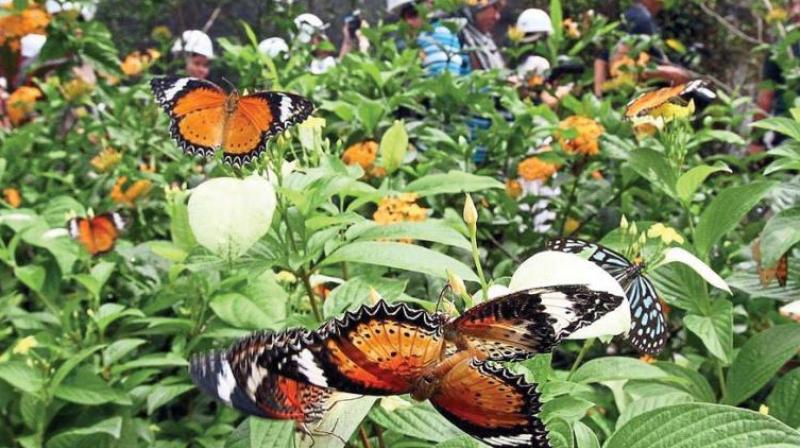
[
  {"x": 233, "y": 87},
  {"x": 441, "y": 297},
  {"x": 329, "y": 433},
  {"x": 342, "y": 400}
]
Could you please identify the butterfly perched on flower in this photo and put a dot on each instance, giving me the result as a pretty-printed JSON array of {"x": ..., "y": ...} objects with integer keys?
[
  {"x": 386, "y": 349},
  {"x": 648, "y": 332},
  {"x": 647, "y": 102},
  {"x": 97, "y": 234},
  {"x": 205, "y": 118}
]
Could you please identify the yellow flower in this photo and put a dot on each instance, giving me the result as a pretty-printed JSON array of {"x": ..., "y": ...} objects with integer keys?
[
  {"x": 456, "y": 283},
  {"x": 400, "y": 208},
  {"x": 75, "y": 88},
  {"x": 132, "y": 194},
  {"x": 515, "y": 34},
  {"x": 12, "y": 196},
  {"x": 668, "y": 235},
  {"x": 513, "y": 188},
  {"x": 763, "y": 409},
  {"x": 534, "y": 168},
  {"x": 106, "y": 160},
  {"x": 571, "y": 225},
  {"x": 21, "y": 104},
  {"x": 161, "y": 33},
  {"x": 777, "y": 15},
  {"x": 670, "y": 111},
  {"x": 285, "y": 277},
  {"x": 151, "y": 167},
  {"x": 24, "y": 345},
  {"x": 571, "y": 28},
  {"x": 647, "y": 358},
  {"x": 137, "y": 62},
  {"x": 588, "y": 133},
  {"x": 14, "y": 25}
]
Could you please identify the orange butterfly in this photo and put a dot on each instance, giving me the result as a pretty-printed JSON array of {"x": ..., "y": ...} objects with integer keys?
[
  {"x": 97, "y": 233},
  {"x": 645, "y": 102},
  {"x": 206, "y": 118},
  {"x": 766, "y": 274}
]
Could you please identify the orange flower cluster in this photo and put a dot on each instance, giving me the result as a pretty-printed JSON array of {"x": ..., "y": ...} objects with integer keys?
[
  {"x": 534, "y": 168},
  {"x": 401, "y": 208},
  {"x": 625, "y": 64},
  {"x": 12, "y": 196},
  {"x": 106, "y": 160},
  {"x": 364, "y": 154},
  {"x": 21, "y": 104},
  {"x": 137, "y": 62},
  {"x": 588, "y": 133},
  {"x": 513, "y": 188},
  {"x": 132, "y": 193},
  {"x": 31, "y": 20}
]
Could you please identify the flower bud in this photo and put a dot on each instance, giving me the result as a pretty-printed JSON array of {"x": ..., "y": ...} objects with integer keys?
[
  {"x": 470, "y": 212},
  {"x": 456, "y": 283}
]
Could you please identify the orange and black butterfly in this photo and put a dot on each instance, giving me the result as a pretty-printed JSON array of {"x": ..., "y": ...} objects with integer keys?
[
  {"x": 644, "y": 103},
  {"x": 238, "y": 378},
  {"x": 766, "y": 274},
  {"x": 206, "y": 118},
  {"x": 97, "y": 234}
]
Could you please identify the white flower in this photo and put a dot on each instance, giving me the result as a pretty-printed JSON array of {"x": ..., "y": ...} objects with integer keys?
[
  {"x": 558, "y": 268},
  {"x": 228, "y": 215}
]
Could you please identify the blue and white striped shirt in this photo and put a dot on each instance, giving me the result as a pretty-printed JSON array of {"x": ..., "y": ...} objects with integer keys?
[{"x": 442, "y": 51}]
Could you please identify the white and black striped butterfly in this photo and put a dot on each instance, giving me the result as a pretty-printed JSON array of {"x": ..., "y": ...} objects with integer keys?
[{"x": 648, "y": 332}]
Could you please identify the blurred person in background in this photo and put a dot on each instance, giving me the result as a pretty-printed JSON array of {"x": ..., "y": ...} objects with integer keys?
[
  {"x": 476, "y": 37},
  {"x": 352, "y": 36},
  {"x": 311, "y": 32},
  {"x": 198, "y": 52}
]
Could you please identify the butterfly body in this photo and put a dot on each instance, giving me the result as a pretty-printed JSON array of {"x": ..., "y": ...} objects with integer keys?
[
  {"x": 204, "y": 118},
  {"x": 97, "y": 234}
]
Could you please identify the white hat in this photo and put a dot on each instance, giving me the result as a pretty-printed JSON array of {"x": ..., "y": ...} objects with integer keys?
[
  {"x": 533, "y": 65},
  {"x": 273, "y": 46},
  {"x": 87, "y": 9},
  {"x": 194, "y": 41},
  {"x": 533, "y": 21},
  {"x": 307, "y": 26},
  {"x": 392, "y": 5},
  {"x": 31, "y": 45}
]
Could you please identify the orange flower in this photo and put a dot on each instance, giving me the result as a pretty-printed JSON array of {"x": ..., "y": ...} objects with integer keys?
[
  {"x": 362, "y": 154},
  {"x": 400, "y": 208},
  {"x": 586, "y": 141},
  {"x": 571, "y": 28},
  {"x": 597, "y": 175},
  {"x": 132, "y": 194},
  {"x": 21, "y": 103},
  {"x": 12, "y": 196},
  {"x": 137, "y": 62},
  {"x": 513, "y": 188},
  {"x": 150, "y": 168},
  {"x": 647, "y": 358},
  {"x": 106, "y": 160},
  {"x": 31, "y": 20},
  {"x": 534, "y": 168}
]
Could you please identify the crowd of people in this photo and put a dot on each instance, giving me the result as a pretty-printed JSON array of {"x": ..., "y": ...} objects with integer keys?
[{"x": 456, "y": 43}]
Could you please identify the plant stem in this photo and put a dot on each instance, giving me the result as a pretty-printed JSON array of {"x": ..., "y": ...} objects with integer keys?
[
  {"x": 570, "y": 200},
  {"x": 311, "y": 297},
  {"x": 364, "y": 438},
  {"x": 723, "y": 389},
  {"x": 586, "y": 346},
  {"x": 477, "y": 259}
]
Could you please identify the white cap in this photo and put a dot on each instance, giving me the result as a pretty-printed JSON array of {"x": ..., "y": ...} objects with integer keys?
[
  {"x": 194, "y": 41},
  {"x": 533, "y": 65},
  {"x": 273, "y": 46},
  {"x": 321, "y": 65},
  {"x": 392, "y": 5},
  {"x": 31, "y": 45},
  {"x": 87, "y": 9},
  {"x": 307, "y": 26},
  {"x": 533, "y": 21}
]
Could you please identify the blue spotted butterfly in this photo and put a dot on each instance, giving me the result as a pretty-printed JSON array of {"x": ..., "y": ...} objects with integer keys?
[{"x": 648, "y": 332}]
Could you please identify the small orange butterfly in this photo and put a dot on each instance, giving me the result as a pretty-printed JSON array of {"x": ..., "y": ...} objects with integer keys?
[
  {"x": 643, "y": 103},
  {"x": 766, "y": 274},
  {"x": 206, "y": 118},
  {"x": 97, "y": 234}
]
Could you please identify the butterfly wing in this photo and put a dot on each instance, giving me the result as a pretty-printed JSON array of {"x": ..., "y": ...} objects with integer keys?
[
  {"x": 611, "y": 261},
  {"x": 257, "y": 118},
  {"x": 519, "y": 325},
  {"x": 238, "y": 378},
  {"x": 643, "y": 103},
  {"x": 648, "y": 332},
  {"x": 98, "y": 234},
  {"x": 492, "y": 404},
  {"x": 377, "y": 350},
  {"x": 196, "y": 109}
]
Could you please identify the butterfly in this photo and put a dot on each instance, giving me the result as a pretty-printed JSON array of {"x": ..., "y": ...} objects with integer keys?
[
  {"x": 648, "y": 332},
  {"x": 236, "y": 377},
  {"x": 644, "y": 103},
  {"x": 779, "y": 271},
  {"x": 206, "y": 118},
  {"x": 97, "y": 233}
]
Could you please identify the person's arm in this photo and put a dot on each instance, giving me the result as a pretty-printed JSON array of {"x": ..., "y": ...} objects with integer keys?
[
  {"x": 347, "y": 42},
  {"x": 600, "y": 75}
]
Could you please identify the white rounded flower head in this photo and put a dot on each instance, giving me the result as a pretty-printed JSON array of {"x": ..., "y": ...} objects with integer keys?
[
  {"x": 228, "y": 215},
  {"x": 550, "y": 268}
]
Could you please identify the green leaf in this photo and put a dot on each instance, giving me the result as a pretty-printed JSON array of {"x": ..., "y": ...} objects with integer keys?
[
  {"x": 369, "y": 113},
  {"x": 156, "y": 360},
  {"x": 242, "y": 312},
  {"x": 32, "y": 276},
  {"x": 759, "y": 360},
  {"x": 779, "y": 235},
  {"x": 72, "y": 362},
  {"x": 571, "y": 409},
  {"x": 401, "y": 256},
  {"x": 784, "y": 400},
  {"x": 783, "y": 125},
  {"x": 460, "y": 442},
  {"x": 436, "y": 231},
  {"x": 342, "y": 419},
  {"x": 420, "y": 421},
  {"x": 584, "y": 436},
  {"x": 271, "y": 433},
  {"x": 161, "y": 395},
  {"x": 715, "y": 329},
  {"x": 696, "y": 384},
  {"x": 394, "y": 145},
  {"x": 20, "y": 376},
  {"x": 89, "y": 389},
  {"x": 87, "y": 436},
  {"x": 703, "y": 425},
  {"x": 356, "y": 292},
  {"x": 452, "y": 182},
  {"x": 644, "y": 404},
  {"x": 691, "y": 180},
  {"x": 654, "y": 166},
  {"x": 560, "y": 434},
  {"x": 614, "y": 368},
  {"x": 725, "y": 211},
  {"x": 168, "y": 250}
]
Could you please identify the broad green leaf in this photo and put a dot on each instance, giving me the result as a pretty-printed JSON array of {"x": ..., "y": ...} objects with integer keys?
[
  {"x": 784, "y": 400},
  {"x": 654, "y": 166},
  {"x": 394, "y": 145},
  {"x": 87, "y": 436},
  {"x": 691, "y": 180},
  {"x": 560, "y": 434},
  {"x": 759, "y": 359},
  {"x": 20, "y": 376},
  {"x": 452, "y": 182},
  {"x": 460, "y": 442},
  {"x": 32, "y": 276},
  {"x": 401, "y": 256},
  {"x": 242, "y": 312},
  {"x": 783, "y": 125},
  {"x": 155, "y": 360},
  {"x": 71, "y": 363},
  {"x": 696, "y": 384},
  {"x": 346, "y": 413},
  {"x": 271, "y": 433},
  {"x": 725, "y": 211},
  {"x": 119, "y": 348},
  {"x": 356, "y": 292},
  {"x": 584, "y": 436},
  {"x": 571, "y": 409},
  {"x": 715, "y": 329},
  {"x": 644, "y": 404},
  {"x": 703, "y": 425},
  {"x": 168, "y": 250},
  {"x": 89, "y": 389},
  {"x": 369, "y": 112},
  {"x": 779, "y": 235},
  {"x": 436, "y": 231},
  {"x": 163, "y": 394},
  {"x": 420, "y": 421},
  {"x": 616, "y": 368}
]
